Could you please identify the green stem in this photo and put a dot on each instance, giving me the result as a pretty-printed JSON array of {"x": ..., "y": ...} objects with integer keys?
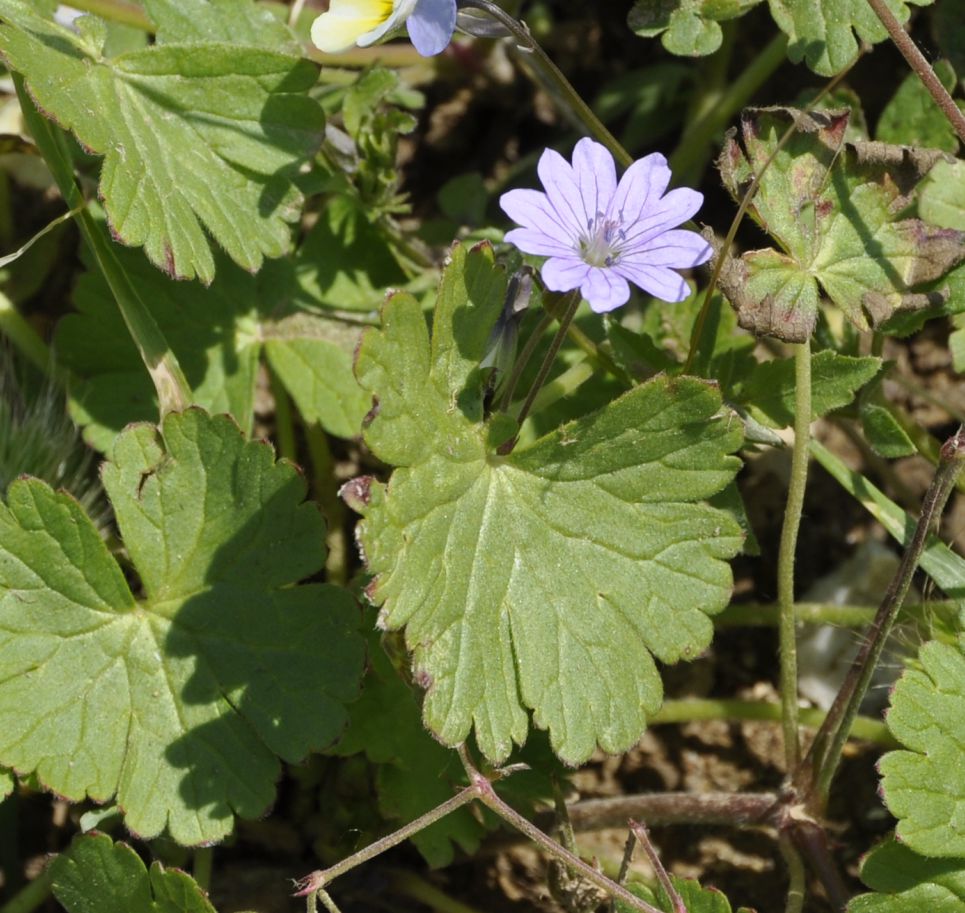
[
  {"x": 32, "y": 896},
  {"x": 689, "y": 710},
  {"x": 750, "y": 193},
  {"x": 325, "y": 489},
  {"x": 523, "y": 359},
  {"x": 284, "y": 420},
  {"x": 411, "y": 885},
  {"x": 120, "y": 11},
  {"x": 916, "y": 60},
  {"x": 203, "y": 865},
  {"x": 689, "y": 159},
  {"x": 173, "y": 391},
  {"x": 565, "y": 384},
  {"x": 814, "y": 777},
  {"x": 787, "y": 628},
  {"x": 758, "y": 615},
  {"x": 797, "y": 878},
  {"x": 572, "y": 300},
  {"x": 554, "y": 80},
  {"x": 24, "y": 337}
]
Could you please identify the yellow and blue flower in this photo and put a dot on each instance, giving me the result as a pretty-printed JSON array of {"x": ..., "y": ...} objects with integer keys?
[{"x": 363, "y": 22}]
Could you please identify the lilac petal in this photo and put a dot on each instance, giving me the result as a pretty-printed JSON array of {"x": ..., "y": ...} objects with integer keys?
[
  {"x": 562, "y": 274},
  {"x": 676, "y": 207},
  {"x": 658, "y": 281},
  {"x": 532, "y": 241},
  {"x": 596, "y": 176},
  {"x": 641, "y": 186},
  {"x": 605, "y": 290},
  {"x": 563, "y": 192},
  {"x": 431, "y": 25},
  {"x": 679, "y": 248},
  {"x": 532, "y": 209}
]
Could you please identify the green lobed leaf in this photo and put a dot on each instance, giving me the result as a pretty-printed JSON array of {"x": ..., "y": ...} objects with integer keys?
[
  {"x": 825, "y": 33},
  {"x": 180, "y": 700},
  {"x": 218, "y": 333},
  {"x": 834, "y": 209},
  {"x": 96, "y": 875},
  {"x": 942, "y": 199},
  {"x": 835, "y": 379},
  {"x": 415, "y": 772},
  {"x": 912, "y": 117},
  {"x": 689, "y": 27},
  {"x": 344, "y": 261},
  {"x": 550, "y": 579},
  {"x": 241, "y": 22},
  {"x": 881, "y": 427},
  {"x": 908, "y": 883},
  {"x": 696, "y": 899},
  {"x": 196, "y": 137},
  {"x": 924, "y": 786}
]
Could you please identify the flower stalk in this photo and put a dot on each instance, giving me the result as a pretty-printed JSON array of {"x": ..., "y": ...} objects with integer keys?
[
  {"x": 787, "y": 628},
  {"x": 553, "y": 78},
  {"x": 814, "y": 776},
  {"x": 916, "y": 60}
]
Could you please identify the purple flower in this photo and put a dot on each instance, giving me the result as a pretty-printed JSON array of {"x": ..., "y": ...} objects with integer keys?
[
  {"x": 363, "y": 22},
  {"x": 600, "y": 235}
]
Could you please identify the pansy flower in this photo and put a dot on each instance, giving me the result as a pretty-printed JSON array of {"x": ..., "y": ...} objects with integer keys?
[
  {"x": 363, "y": 22},
  {"x": 601, "y": 235}
]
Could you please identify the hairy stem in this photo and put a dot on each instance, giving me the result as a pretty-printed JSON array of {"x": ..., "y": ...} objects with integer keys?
[
  {"x": 639, "y": 830},
  {"x": 814, "y": 777},
  {"x": 325, "y": 491},
  {"x": 173, "y": 391},
  {"x": 523, "y": 359},
  {"x": 28, "y": 342},
  {"x": 487, "y": 795},
  {"x": 284, "y": 420},
  {"x": 661, "y": 809},
  {"x": 553, "y": 79},
  {"x": 787, "y": 629},
  {"x": 313, "y": 884},
  {"x": 811, "y": 841},
  {"x": 797, "y": 878},
  {"x": 203, "y": 866},
  {"x": 572, "y": 302},
  {"x": 916, "y": 60}
]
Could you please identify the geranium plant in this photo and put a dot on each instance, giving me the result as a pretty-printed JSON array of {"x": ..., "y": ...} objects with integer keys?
[{"x": 439, "y": 464}]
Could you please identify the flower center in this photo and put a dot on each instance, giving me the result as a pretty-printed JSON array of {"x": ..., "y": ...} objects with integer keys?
[{"x": 600, "y": 246}]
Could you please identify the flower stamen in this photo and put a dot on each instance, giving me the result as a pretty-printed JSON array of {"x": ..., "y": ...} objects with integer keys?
[{"x": 600, "y": 246}]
